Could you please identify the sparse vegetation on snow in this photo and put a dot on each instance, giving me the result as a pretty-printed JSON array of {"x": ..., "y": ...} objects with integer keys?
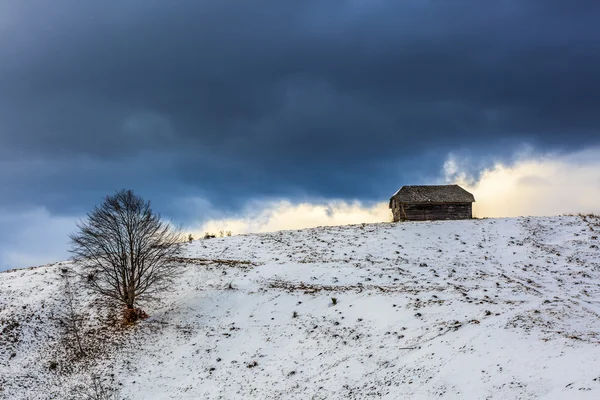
[{"x": 494, "y": 308}]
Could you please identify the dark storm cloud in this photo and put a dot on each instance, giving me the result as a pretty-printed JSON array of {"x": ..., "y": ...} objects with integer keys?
[{"x": 328, "y": 98}]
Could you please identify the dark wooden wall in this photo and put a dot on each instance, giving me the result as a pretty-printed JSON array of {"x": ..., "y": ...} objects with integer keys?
[{"x": 431, "y": 212}]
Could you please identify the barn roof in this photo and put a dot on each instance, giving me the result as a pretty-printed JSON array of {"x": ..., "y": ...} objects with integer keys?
[{"x": 433, "y": 194}]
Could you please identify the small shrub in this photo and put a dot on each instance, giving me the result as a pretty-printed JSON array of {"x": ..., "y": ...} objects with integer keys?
[
  {"x": 208, "y": 235},
  {"x": 228, "y": 233},
  {"x": 295, "y": 314},
  {"x": 131, "y": 315},
  {"x": 96, "y": 389},
  {"x": 334, "y": 300}
]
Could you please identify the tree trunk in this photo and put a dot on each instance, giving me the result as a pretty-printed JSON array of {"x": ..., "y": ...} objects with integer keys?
[{"x": 130, "y": 297}]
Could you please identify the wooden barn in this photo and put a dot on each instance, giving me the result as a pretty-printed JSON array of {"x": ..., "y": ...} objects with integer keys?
[{"x": 430, "y": 203}]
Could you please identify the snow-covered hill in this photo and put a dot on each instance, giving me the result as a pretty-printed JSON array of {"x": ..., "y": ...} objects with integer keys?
[{"x": 481, "y": 309}]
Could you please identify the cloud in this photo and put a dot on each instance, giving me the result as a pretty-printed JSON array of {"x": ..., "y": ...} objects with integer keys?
[
  {"x": 550, "y": 184},
  {"x": 33, "y": 237},
  {"x": 283, "y": 215},
  {"x": 312, "y": 96}
]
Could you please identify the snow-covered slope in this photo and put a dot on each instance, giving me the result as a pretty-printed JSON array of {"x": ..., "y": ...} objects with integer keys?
[{"x": 481, "y": 309}]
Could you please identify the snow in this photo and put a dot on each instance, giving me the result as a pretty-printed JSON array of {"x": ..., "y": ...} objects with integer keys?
[{"x": 478, "y": 309}]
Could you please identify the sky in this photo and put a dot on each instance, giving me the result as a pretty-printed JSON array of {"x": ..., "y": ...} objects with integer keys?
[{"x": 266, "y": 115}]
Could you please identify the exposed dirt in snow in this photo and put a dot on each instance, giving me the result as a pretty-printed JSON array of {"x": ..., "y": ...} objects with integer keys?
[{"x": 481, "y": 309}]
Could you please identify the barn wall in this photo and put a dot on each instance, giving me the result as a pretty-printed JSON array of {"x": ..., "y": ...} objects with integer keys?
[{"x": 431, "y": 212}]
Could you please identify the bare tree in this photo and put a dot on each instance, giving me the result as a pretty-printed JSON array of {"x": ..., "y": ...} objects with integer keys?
[{"x": 128, "y": 252}]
